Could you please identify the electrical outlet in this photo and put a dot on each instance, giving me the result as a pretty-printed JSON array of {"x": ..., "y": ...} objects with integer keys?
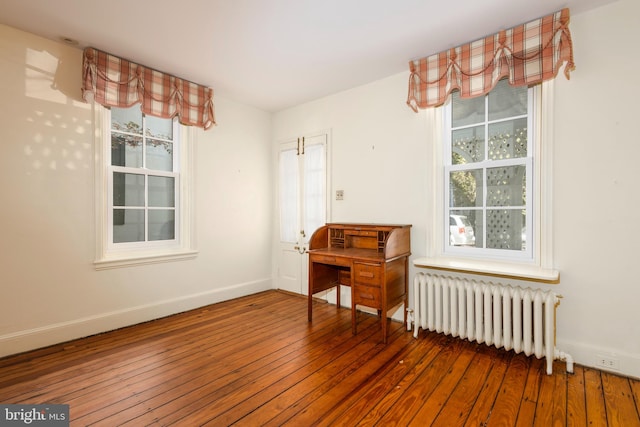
[
  {"x": 607, "y": 362},
  {"x": 339, "y": 194}
]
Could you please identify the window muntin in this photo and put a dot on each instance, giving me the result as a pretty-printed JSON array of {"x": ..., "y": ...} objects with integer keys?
[
  {"x": 488, "y": 167},
  {"x": 143, "y": 175}
]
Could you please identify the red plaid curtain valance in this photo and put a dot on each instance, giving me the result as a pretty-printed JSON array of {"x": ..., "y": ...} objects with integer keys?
[
  {"x": 116, "y": 82},
  {"x": 527, "y": 54}
]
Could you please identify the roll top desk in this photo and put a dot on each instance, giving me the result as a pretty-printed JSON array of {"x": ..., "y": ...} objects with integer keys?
[{"x": 372, "y": 259}]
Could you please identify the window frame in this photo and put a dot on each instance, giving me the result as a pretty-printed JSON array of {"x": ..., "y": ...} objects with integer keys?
[
  {"x": 541, "y": 231},
  {"x": 114, "y": 255},
  {"x": 485, "y": 164}
]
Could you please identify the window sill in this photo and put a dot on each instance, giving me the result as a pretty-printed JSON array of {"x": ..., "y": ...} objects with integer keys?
[
  {"x": 491, "y": 268},
  {"x": 128, "y": 260}
]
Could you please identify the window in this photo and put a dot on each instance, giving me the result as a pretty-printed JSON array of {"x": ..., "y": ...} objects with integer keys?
[
  {"x": 488, "y": 174},
  {"x": 143, "y": 194},
  {"x": 144, "y": 178}
]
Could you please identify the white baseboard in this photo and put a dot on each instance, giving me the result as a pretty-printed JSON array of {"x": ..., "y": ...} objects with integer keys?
[
  {"x": 587, "y": 355},
  {"x": 21, "y": 341}
]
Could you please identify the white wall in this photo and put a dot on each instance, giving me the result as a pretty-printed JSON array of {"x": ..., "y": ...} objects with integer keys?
[
  {"x": 596, "y": 188},
  {"x": 50, "y": 291},
  {"x": 379, "y": 154}
]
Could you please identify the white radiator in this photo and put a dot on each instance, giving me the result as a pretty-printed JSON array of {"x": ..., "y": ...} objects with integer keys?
[{"x": 506, "y": 316}]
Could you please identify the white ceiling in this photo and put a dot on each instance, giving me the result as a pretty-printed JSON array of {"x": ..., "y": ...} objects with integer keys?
[{"x": 275, "y": 54}]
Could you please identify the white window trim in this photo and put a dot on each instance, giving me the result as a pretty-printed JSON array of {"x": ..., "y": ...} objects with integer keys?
[
  {"x": 106, "y": 256},
  {"x": 540, "y": 267}
]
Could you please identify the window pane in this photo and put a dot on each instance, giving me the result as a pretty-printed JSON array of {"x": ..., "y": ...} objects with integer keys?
[
  {"x": 128, "y": 225},
  {"x": 465, "y": 188},
  {"x": 467, "y": 145},
  {"x": 126, "y": 150},
  {"x": 159, "y": 155},
  {"x": 162, "y": 224},
  {"x": 506, "y": 186},
  {"x": 128, "y": 189},
  {"x": 314, "y": 203},
  {"x": 288, "y": 196},
  {"x": 507, "y": 101},
  {"x": 157, "y": 127},
  {"x": 161, "y": 191},
  {"x": 127, "y": 119},
  {"x": 505, "y": 228},
  {"x": 465, "y": 227},
  {"x": 466, "y": 111},
  {"x": 508, "y": 140}
]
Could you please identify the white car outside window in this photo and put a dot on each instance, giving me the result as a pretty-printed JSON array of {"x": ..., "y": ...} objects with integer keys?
[{"x": 460, "y": 231}]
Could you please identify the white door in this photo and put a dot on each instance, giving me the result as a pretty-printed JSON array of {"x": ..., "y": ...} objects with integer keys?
[{"x": 302, "y": 193}]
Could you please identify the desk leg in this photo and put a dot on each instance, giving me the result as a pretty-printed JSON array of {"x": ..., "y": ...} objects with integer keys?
[
  {"x": 354, "y": 329},
  {"x": 382, "y": 313},
  {"x": 310, "y": 292},
  {"x": 352, "y": 280},
  {"x": 384, "y": 328}
]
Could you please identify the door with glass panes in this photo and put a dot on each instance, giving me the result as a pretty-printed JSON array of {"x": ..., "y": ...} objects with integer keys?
[{"x": 302, "y": 201}]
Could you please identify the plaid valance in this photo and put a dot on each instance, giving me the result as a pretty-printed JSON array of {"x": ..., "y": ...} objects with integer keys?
[
  {"x": 116, "y": 82},
  {"x": 527, "y": 54}
]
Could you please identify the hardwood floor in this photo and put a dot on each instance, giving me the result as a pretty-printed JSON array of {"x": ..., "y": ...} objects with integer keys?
[{"x": 257, "y": 361}]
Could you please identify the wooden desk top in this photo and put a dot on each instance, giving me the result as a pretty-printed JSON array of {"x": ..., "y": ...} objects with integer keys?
[
  {"x": 360, "y": 226},
  {"x": 352, "y": 253}
]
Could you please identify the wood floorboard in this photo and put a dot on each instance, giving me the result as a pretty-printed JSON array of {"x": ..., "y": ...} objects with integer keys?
[
  {"x": 596, "y": 411},
  {"x": 331, "y": 361},
  {"x": 338, "y": 375},
  {"x": 109, "y": 341},
  {"x": 576, "y": 402},
  {"x": 365, "y": 412},
  {"x": 507, "y": 402},
  {"x": 416, "y": 393},
  {"x": 546, "y": 407},
  {"x": 438, "y": 398},
  {"x": 618, "y": 398},
  {"x": 143, "y": 354},
  {"x": 457, "y": 407},
  {"x": 367, "y": 400},
  {"x": 529, "y": 402},
  {"x": 217, "y": 396},
  {"x": 256, "y": 360},
  {"x": 215, "y": 361}
]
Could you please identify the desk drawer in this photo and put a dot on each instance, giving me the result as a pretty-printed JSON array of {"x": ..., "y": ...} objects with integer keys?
[
  {"x": 369, "y": 296},
  {"x": 367, "y": 273},
  {"x": 331, "y": 260}
]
